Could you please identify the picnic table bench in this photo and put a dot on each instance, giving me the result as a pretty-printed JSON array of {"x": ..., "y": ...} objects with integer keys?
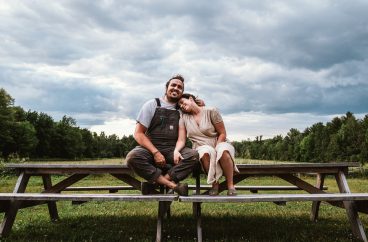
[{"x": 252, "y": 189}]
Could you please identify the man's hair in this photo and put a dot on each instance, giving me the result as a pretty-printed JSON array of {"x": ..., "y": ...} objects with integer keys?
[{"x": 178, "y": 76}]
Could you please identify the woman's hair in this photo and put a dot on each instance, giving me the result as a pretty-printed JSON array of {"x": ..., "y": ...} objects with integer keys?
[
  {"x": 188, "y": 95},
  {"x": 197, "y": 101}
]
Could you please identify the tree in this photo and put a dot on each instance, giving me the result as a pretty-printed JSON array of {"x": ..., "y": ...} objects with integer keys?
[
  {"x": 6, "y": 122},
  {"x": 45, "y": 128},
  {"x": 67, "y": 141},
  {"x": 24, "y": 138},
  {"x": 351, "y": 137}
]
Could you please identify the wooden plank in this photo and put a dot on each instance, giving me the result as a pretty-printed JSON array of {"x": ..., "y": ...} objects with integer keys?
[
  {"x": 277, "y": 197},
  {"x": 202, "y": 187},
  {"x": 12, "y": 210},
  {"x": 163, "y": 207},
  {"x": 124, "y": 166},
  {"x": 65, "y": 183},
  {"x": 84, "y": 197},
  {"x": 316, "y": 204},
  {"x": 307, "y": 187},
  {"x": 128, "y": 179},
  {"x": 42, "y": 168},
  {"x": 65, "y": 166},
  {"x": 272, "y": 169},
  {"x": 328, "y": 168},
  {"x": 57, "y": 188},
  {"x": 100, "y": 188},
  {"x": 222, "y": 186},
  {"x": 198, "y": 216},
  {"x": 300, "y": 165},
  {"x": 351, "y": 210},
  {"x": 47, "y": 184}
]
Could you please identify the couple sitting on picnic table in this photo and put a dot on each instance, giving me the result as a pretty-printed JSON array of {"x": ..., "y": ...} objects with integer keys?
[{"x": 161, "y": 130}]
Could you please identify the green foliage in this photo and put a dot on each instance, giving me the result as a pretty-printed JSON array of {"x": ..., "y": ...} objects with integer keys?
[
  {"x": 343, "y": 139},
  {"x": 37, "y": 135},
  {"x": 6, "y": 121}
]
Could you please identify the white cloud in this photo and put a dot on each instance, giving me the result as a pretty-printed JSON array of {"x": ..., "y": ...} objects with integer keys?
[
  {"x": 119, "y": 127},
  {"x": 103, "y": 60}
]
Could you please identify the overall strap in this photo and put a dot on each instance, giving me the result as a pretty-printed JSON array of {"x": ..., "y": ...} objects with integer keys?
[{"x": 158, "y": 102}]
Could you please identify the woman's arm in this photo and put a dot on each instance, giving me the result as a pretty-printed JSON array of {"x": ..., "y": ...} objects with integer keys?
[
  {"x": 220, "y": 129},
  {"x": 180, "y": 143}
]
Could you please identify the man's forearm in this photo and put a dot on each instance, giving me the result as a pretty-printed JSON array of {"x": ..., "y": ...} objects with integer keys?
[{"x": 145, "y": 142}]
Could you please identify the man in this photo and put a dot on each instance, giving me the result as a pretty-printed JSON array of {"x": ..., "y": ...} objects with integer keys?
[{"x": 156, "y": 133}]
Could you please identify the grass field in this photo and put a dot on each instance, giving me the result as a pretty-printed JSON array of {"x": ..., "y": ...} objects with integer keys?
[{"x": 114, "y": 221}]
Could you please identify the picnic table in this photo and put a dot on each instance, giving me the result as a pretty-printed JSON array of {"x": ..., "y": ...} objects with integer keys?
[
  {"x": 73, "y": 173},
  {"x": 290, "y": 172},
  {"x": 351, "y": 202}
]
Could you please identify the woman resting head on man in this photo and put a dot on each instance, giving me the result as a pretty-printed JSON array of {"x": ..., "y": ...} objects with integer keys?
[{"x": 206, "y": 130}]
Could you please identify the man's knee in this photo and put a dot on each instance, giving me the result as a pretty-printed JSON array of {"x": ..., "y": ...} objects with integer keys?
[
  {"x": 137, "y": 155},
  {"x": 130, "y": 158},
  {"x": 190, "y": 154}
]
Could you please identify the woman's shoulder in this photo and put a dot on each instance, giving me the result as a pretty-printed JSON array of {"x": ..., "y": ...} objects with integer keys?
[{"x": 210, "y": 109}]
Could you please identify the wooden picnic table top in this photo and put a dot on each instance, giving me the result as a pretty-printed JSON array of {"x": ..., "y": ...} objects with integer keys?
[
  {"x": 109, "y": 166},
  {"x": 54, "y": 168}
]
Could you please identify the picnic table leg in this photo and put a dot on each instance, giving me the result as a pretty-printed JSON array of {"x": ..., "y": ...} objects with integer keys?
[
  {"x": 47, "y": 184},
  {"x": 316, "y": 204},
  {"x": 198, "y": 184},
  {"x": 11, "y": 213},
  {"x": 351, "y": 210},
  {"x": 197, "y": 206},
  {"x": 161, "y": 213}
]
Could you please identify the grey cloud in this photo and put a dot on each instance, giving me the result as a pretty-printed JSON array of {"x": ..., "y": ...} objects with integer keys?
[
  {"x": 146, "y": 42},
  {"x": 306, "y": 35},
  {"x": 337, "y": 92},
  {"x": 56, "y": 95}
]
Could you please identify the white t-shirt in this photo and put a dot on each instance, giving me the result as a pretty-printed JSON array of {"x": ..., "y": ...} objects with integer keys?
[{"x": 148, "y": 109}]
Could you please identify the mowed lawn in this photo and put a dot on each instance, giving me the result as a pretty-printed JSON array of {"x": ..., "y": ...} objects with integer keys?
[{"x": 136, "y": 221}]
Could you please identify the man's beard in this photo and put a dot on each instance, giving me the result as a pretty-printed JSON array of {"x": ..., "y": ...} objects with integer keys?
[{"x": 173, "y": 99}]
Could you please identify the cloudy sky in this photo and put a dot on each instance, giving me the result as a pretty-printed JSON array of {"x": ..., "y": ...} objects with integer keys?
[{"x": 268, "y": 66}]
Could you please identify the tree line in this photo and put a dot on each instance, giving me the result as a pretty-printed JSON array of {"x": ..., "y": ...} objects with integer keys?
[
  {"x": 342, "y": 139},
  {"x": 36, "y": 135}
]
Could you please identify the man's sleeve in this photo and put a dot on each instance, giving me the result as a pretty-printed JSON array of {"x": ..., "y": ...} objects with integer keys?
[{"x": 146, "y": 113}]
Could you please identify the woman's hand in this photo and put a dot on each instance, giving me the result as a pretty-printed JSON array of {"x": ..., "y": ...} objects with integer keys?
[{"x": 177, "y": 157}]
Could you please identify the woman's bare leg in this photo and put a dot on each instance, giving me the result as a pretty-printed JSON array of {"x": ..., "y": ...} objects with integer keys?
[
  {"x": 205, "y": 160},
  {"x": 227, "y": 166}
]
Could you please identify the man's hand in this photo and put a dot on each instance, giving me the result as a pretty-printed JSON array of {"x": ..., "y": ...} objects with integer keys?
[
  {"x": 177, "y": 157},
  {"x": 159, "y": 159}
]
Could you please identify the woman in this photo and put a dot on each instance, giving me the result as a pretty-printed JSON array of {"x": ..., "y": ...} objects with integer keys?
[{"x": 205, "y": 128}]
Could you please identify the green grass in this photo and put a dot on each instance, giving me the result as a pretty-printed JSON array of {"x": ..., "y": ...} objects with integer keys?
[{"x": 123, "y": 221}]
